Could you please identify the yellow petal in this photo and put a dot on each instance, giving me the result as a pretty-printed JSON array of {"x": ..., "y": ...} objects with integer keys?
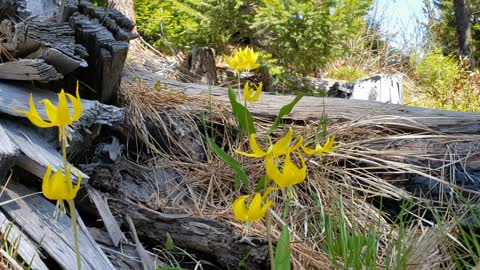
[
  {"x": 281, "y": 147},
  {"x": 310, "y": 151},
  {"x": 258, "y": 91},
  {"x": 239, "y": 210},
  {"x": 273, "y": 172},
  {"x": 76, "y": 104},
  {"x": 34, "y": 117},
  {"x": 63, "y": 112},
  {"x": 254, "y": 146},
  {"x": 255, "y": 208},
  {"x": 50, "y": 109},
  {"x": 292, "y": 173},
  {"x": 46, "y": 179},
  {"x": 297, "y": 145},
  {"x": 267, "y": 192}
]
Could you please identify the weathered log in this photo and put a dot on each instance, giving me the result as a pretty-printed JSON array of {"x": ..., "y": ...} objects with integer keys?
[
  {"x": 107, "y": 55},
  {"x": 8, "y": 153},
  {"x": 36, "y": 151},
  {"x": 29, "y": 70},
  {"x": 208, "y": 238},
  {"x": 13, "y": 8},
  {"x": 34, "y": 215},
  {"x": 27, "y": 250},
  {"x": 373, "y": 113}
]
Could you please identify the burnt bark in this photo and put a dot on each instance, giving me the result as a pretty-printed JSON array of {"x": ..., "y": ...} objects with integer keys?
[{"x": 463, "y": 27}]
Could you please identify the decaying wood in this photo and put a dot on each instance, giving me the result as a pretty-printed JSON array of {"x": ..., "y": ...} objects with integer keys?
[
  {"x": 8, "y": 153},
  {"x": 209, "y": 238},
  {"x": 36, "y": 152},
  {"x": 26, "y": 248},
  {"x": 34, "y": 216},
  {"x": 107, "y": 55},
  {"x": 29, "y": 70},
  {"x": 113, "y": 229},
  {"x": 147, "y": 261},
  {"x": 14, "y": 99},
  {"x": 373, "y": 113},
  {"x": 124, "y": 257}
]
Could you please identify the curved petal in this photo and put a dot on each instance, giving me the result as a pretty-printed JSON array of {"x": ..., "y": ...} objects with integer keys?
[
  {"x": 297, "y": 145},
  {"x": 76, "y": 104},
  {"x": 50, "y": 109},
  {"x": 239, "y": 210},
  {"x": 258, "y": 91},
  {"x": 294, "y": 174},
  {"x": 255, "y": 208},
  {"x": 274, "y": 173},
  {"x": 79, "y": 181},
  {"x": 254, "y": 146},
  {"x": 281, "y": 147},
  {"x": 265, "y": 207},
  {"x": 63, "y": 111},
  {"x": 310, "y": 151},
  {"x": 46, "y": 180},
  {"x": 34, "y": 117}
]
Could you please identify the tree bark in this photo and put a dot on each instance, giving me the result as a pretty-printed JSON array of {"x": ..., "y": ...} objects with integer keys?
[{"x": 463, "y": 30}]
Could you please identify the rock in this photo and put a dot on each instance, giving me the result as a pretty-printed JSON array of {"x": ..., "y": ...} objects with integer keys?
[{"x": 383, "y": 88}]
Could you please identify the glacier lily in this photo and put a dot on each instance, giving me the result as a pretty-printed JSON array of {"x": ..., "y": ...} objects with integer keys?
[
  {"x": 290, "y": 174},
  {"x": 318, "y": 150},
  {"x": 249, "y": 93},
  {"x": 253, "y": 212},
  {"x": 281, "y": 147}
]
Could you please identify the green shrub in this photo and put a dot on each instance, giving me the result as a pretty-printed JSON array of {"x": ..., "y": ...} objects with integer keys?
[
  {"x": 347, "y": 73},
  {"x": 307, "y": 34},
  {"x": 445, "y": 84}
]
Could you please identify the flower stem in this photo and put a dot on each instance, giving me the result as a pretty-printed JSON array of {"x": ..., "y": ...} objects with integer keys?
[
  {"x": 73, "y": 216},
  {"x": 63, "y": 140},
  {"x": 270, "y": 245}
]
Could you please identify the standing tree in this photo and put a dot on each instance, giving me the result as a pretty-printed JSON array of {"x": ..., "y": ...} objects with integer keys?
[{"x": 463, "y": 27}]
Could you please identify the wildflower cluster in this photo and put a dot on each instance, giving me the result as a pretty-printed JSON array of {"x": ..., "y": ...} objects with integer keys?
[
  {"x": 59, "y": 187},
  {"x": 284, "y": 160}
]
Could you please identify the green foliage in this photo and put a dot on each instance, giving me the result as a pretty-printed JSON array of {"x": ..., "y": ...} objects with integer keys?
[
  {"x": 282, "y": 252},
  {"x": 302, "y": 35},
  {"x": 191, "y": 23},
  {"x": 307, "y": 34},
  {"x": 347, "y": 73},
  {"x": 284, "y": 111},
  {"x": 357, "y": 250},
  {"x": 229, "y": 160},
  {"x": 242, "y": 114},
  {"x": 169, "y": 245},
  {"x": 445, "y": 84}
]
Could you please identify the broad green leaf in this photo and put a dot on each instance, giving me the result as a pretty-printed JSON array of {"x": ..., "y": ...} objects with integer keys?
[
  {"x": 242, "y": 114},
  {"x": 282, "y": 252},
  {"x": 169, "y": 245},
  {"x": 225, "y": 157},
  {"x": 284, "y": 111}
]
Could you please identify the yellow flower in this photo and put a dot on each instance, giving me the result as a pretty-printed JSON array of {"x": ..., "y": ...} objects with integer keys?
[
  {"x": 289, "y": 175},
  {"x": 249, "y": 94},
  {"x": 327, "y": 148},
  {"x": 58, "y": 116},
  {"x": 254, "y": 212},
  {"x": 59, "y": 187},
  {"x": 242, "y": 60},
  {"x": 281, "y": 147}
]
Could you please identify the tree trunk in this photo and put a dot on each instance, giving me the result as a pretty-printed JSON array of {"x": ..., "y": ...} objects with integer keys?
[{"x": 463, "y": 30}]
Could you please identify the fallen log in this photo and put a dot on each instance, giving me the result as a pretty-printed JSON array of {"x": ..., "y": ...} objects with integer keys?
[
  {"x": 8, "y": 153},
  {"x": 373, "y": 113},
  {"x": 29, "y": 70}
]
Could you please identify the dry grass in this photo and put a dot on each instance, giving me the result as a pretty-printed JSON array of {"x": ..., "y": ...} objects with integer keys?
[{"x": 372, "y": 161}]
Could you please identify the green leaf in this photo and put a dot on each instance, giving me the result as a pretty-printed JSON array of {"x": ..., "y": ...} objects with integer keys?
[
  {"x": 169, "y": 245},
  {"x": 261, "y": 183},
  {"x": 284, "y": 111},
  {"x": 282, "y": 252},
  {"x": 225, "y": 157},
  {"x": 242, "y": 114}
]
